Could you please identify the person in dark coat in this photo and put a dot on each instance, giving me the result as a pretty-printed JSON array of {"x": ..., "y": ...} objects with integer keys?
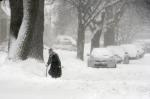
[{"x": 55, "y": 68}]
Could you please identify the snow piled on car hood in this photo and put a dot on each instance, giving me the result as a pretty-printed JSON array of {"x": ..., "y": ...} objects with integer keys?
[{"x": 101, "y": 53}]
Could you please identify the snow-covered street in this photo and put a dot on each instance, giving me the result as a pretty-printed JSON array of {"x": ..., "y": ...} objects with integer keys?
[
  {"x": 78, "y": 81},
  {"x": 74, "y": 49}
]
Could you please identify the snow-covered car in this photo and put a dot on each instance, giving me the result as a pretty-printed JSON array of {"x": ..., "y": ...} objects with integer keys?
[
  {"x": 117, "y": 52},
  {"x": 132, "y": 50},
  {"x": 65, "y": 42},
  {"x": 101, "y": 58}
]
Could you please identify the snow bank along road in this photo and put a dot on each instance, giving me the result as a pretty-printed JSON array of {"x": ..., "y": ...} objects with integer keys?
[{"x": 78, "y": 81}]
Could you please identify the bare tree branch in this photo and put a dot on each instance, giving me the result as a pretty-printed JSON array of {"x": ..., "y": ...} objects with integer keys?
[
  {"x": 99, "y": 11},
  {"x": 92, "y": 12}
]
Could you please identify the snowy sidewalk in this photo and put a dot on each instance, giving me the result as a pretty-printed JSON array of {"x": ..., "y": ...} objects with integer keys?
[{"x": 78, "y": 81}]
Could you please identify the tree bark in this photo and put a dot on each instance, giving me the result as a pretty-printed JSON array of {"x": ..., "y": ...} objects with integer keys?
[
  {"x": 21, "y": 47},
  {"x": 16, "y": 7},
  {"x": 113, "y": 19},
  {"x": 80, "y": 37},
  {"x": 95, "y": 41},
  {"x": 80, "y": 43},
  {"x": 36, "y": 50}
]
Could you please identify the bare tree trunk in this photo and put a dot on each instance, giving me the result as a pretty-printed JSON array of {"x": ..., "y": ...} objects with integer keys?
[
  {"x": 37, "y": 37},
  {"x": 80, "y": 43},
  {"x": 113, "y": 19},
  {"x": 109, "y": 36},
  {"x": 21, "y": 47},
  {"x": 81, "y": 37},
  {"x": 95, "y": 42},
  {"x": 16, "y": 7}
]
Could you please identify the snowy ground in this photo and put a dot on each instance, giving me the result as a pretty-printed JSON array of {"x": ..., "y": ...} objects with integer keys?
[{"x": 27, "y": 80}]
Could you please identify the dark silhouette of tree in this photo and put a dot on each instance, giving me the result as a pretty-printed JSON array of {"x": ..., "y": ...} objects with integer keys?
[
  {"x": 97, "y": 25},
  {"x": 37, "y": 39},
  {"x": 96, "y": 28},
  {"x": 16, "y": 7},
  {"x": 87, "y": 11},
  {"x": 26, "y": 29}
]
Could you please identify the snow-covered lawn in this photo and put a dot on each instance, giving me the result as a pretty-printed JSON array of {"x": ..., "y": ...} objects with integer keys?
[{"x": 26, "y": 80}]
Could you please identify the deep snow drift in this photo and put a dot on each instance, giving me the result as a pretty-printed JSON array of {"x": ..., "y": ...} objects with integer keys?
[{"x": 26, "y": 80}]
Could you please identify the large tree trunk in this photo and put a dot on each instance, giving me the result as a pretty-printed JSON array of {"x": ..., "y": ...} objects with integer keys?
[
  {"x": 80, "y": 43},
  {"x": 21, "y": 47},
  {"x": 16, "y": 7},
  {"x": 80, "y": 37},
  {"x": 37, "y": 37}
]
